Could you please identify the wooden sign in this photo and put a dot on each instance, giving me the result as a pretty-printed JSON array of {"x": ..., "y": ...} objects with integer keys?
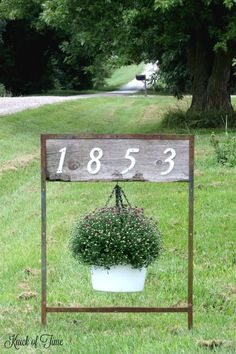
[
  {"x": 154, "y": 158},
  {"x": 119, "y": 158}
]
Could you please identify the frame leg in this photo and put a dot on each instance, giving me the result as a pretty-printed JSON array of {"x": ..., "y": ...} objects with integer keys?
[
  {"x": 43, "y": 234},
  {"x": 190, "y": 233},
  {"x": 43, "y": 316},
  {"x": 190, "y": 317}
]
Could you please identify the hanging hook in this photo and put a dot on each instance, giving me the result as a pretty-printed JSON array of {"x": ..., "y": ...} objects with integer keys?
[{"x": 118, "y": 193}]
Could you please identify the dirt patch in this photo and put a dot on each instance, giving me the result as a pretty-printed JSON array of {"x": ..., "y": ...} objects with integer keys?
[
  {"x": 150, "y": 113},
  {"x": 232, "y": 289},
  {"x": 27, "y": 295},
  {"x": 214, "y": 343},
  {"x": 176, "y": 330},
  {"x": 216, "y": 184},
  {"x": 198, "y": 173},
  {"x": 17, "y": 163},
  {"x": 24, "y": 286},
  {"x": 31, "y": 271}
]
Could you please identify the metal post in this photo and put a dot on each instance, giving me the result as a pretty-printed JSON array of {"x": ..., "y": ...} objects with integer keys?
[
  {"x": 190, "y": 233},
  {"x": 43, "y": 232},
  {"x": 145, "y": 87},
  {"x": 117, "y": 195}
]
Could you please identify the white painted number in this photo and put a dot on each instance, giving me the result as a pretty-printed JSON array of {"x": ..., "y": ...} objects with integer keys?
[
  {"x": 131, "y": 158},
  {"x": 95, "y": 160},
  {"x": 62, "y": 159},
  {"x": 169, "y": 160}
]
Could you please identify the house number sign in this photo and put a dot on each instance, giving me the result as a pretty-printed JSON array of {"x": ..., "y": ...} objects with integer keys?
[
  {"x": 151, "y": 158},
  {"x": 120, "y": 158}
]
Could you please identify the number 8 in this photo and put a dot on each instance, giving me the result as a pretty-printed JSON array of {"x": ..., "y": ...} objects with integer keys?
[{"x": 95, "y": 160}]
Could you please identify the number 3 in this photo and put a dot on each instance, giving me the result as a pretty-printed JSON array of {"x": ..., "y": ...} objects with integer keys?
[
  {"x": 131, "y": 158},
  {"x": 169, "y": 160}
]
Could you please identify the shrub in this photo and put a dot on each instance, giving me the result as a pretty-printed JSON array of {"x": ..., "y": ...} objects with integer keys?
[
  {"x": 113, "y": 236},
  {"x": 158, "y": 84},
  {"x": 3, "y": 91},
  {"x": 179, "y": 118},
  {"x": 225, "y": 149}
]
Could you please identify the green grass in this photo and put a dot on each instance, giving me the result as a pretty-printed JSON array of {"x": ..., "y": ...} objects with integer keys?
[
  {"x": 66, "y": 92},
  {"x": 68, "y": 283}
]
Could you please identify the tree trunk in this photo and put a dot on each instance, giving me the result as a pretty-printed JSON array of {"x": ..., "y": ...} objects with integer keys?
[
  {"x": 200, "y": 67},
  {"x": 211, "y": 75},
  {"x": 218, "y": 97}
]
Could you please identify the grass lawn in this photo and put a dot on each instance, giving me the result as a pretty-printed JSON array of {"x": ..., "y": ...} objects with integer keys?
[{"x": 68, "y": 283}]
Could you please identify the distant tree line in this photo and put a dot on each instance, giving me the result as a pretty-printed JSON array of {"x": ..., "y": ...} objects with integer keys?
[
  {"x": 32, "y": 61},
  {"x": 73, "y": 40}
]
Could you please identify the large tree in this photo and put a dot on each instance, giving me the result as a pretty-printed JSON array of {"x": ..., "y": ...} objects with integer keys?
[
  {"x": 194, "y": 40},
  {"x": 208, "y": 28}
]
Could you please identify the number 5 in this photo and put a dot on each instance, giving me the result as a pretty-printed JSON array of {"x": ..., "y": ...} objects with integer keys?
[{"x": 131, "y": 158}]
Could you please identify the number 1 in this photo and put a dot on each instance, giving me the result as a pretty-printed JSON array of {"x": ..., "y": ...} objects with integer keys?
[{"x": 62, "y": 158}]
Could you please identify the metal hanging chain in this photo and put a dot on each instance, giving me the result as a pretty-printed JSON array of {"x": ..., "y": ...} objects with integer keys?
[
  {"x": 110, "y": 196},
  {"x": 125, "y": 198},
  {"x": 118, "y": 195},
  {"x": 118, "y": 192}
]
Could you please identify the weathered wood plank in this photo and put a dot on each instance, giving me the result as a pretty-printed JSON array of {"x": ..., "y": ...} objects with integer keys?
[{"x": 153, "y": 159}]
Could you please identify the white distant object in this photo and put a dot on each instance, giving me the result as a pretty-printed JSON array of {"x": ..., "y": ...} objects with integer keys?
[{"x": 136, "y": 85}]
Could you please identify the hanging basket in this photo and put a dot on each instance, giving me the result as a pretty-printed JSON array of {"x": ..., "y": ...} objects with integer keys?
[{"x": 118, "y": 243}]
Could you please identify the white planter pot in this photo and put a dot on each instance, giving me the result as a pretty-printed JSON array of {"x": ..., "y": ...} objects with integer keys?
[{"x": 121, "y": 278}]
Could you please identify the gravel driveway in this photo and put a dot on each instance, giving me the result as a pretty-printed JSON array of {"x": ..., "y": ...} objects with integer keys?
[{"x": 9, "y": 105}]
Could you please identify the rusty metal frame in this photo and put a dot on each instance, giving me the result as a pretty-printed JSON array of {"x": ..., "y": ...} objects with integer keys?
[{"x": 189, "y": 307}]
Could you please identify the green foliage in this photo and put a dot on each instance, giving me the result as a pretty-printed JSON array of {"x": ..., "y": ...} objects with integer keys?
[
  {"x": 70, "y": 73},
  {"x": 225, "y": 149},
  {"x": 218, "y": 17},
  {"x": 167, "y": 4},
  {"x": 91, "y": 26},
  {"x": 20, "y": 9},
  {"x": 2, "y": 90},
  {"x": 173, "y": 77},
  {"x": 99, "y": 71},
  {"x": 230, "y": 3},
  {"x": 158, "y": 83},
  {"x": 113, "y": 236}
]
